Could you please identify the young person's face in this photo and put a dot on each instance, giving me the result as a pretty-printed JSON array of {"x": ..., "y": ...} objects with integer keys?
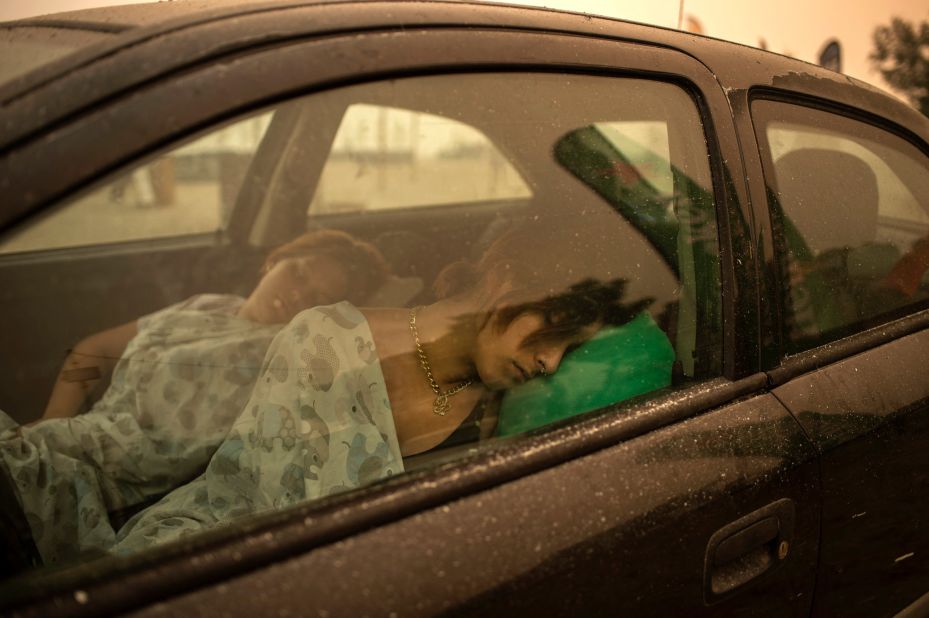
[
  {"x": 296, "y": 283},
  {"x": 507, "y": 357}
]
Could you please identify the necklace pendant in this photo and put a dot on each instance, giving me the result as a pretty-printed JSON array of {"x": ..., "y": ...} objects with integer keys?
[{"x": 441, "y": 405}]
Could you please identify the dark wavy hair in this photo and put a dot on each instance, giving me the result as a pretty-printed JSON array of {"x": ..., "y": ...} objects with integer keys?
[{"x": 568, "y": 313}]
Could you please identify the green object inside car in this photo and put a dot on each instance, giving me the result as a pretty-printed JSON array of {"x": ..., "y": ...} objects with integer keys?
[
  {"x": 618, "y": 363},
  {"x": 841, "y": 287}
]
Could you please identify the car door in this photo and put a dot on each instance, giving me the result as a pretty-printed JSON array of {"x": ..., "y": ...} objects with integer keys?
[
  {"x": 699, "y": 498},
  {"x": 847, "y": 197}
]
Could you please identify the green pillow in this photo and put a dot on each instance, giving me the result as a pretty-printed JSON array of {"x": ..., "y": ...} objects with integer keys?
[{"x": 618, "y": 363}]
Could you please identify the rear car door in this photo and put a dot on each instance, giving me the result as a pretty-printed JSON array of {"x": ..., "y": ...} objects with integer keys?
[
  {"x": 698, "y": 498},
  {"x": 848, "y": 202}
]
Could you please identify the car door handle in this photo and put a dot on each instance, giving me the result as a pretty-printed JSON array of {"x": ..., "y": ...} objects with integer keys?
[
  {"x": 747, "y": 549},
  {"x": 745, "y": 541}
]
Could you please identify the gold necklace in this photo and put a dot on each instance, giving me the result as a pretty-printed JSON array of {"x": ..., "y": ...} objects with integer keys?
[{"x": 441, "y": 405}]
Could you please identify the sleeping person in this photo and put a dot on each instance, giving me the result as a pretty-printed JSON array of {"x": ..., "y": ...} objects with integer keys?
[
  {"x": 344, "y": 394},
  {"x": 174, "y": 381}
]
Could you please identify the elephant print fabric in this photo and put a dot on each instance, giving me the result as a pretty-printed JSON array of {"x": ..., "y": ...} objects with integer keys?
[
  {"x": 180, "y": 385},
  {"x": 318, "y": 422}
]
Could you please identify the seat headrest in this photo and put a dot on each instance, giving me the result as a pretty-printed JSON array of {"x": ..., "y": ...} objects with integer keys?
[{"x": 830, "y": 196}]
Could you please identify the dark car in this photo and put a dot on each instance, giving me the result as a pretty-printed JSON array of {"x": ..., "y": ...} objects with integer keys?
[{"x": 753, "y": 443}]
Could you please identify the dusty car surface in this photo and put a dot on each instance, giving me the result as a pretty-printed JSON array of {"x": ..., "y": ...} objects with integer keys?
[{"x": 753, "y": 443}]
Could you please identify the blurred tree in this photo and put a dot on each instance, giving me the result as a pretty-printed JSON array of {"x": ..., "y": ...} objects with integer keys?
[{"x": 901, "y": 54}]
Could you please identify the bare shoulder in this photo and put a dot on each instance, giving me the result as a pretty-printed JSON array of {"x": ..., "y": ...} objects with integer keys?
[{"x": 390, "y": 329}]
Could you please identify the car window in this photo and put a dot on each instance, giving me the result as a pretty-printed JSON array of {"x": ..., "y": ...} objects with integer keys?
[
  {"x": 386, "y": 157},
  {"x": 567, "y": 264},
  {"x": 850, "y": 205},
  {"x": 189, "y": 190}
]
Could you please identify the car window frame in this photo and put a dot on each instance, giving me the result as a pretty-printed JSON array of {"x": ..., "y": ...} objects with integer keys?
[
  {"x": 781, "y": 362},
  {"x": 281, "y": 534}
]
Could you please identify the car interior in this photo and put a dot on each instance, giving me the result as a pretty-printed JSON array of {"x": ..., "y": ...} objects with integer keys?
[
  {"x": 848, "y": 268},
  {"x": 420, "y": 241},
  {"x": 565, "y": 171}
]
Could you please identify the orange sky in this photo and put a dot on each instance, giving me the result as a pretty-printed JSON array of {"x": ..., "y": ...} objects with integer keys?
[{"x": 798, "y": 28}]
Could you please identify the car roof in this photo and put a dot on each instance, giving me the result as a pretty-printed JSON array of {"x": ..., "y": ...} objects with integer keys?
[
  {"x": 112, "y": 31},
  {"x": 82, "y": 35},
  {"x": 125, "y": 16}
]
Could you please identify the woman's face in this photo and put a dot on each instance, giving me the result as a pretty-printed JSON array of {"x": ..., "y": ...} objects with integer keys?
[
  {"x": 508, "y": 357},
  {"x": 294, "y": 284}
]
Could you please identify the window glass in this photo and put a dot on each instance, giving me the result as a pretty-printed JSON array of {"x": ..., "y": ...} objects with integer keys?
[
  {"x": 562, "y": 259},
  {"x": 189, "y": 190},
  {"x": 851, "y": 206},
  {"x": 386, "y": 157},
  {"x": 645, "y": 145}
]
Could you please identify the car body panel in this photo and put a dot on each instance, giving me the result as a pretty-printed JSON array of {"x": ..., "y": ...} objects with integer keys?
[
  {"x": 869, "y": 418},
  {"x": 611, "y": 512}
]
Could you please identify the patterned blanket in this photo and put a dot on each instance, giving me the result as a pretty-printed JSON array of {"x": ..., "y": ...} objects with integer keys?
[{"x": 316, "y": 421}]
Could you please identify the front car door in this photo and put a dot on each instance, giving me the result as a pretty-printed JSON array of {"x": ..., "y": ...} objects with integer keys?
[{"x": 697, "y": 496}]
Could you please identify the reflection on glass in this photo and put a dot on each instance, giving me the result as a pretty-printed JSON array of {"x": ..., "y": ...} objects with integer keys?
[
  {"x": 191, "y": 190},
  {"x": 672, "y": 211},
  {"x": 385, "y": 158},
  {"x": 850, "y": 204},
  {"x": 387, "y": 340}
]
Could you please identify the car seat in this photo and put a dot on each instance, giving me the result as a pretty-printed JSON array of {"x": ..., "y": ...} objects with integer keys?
[{"x": 826, "y": 203}]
